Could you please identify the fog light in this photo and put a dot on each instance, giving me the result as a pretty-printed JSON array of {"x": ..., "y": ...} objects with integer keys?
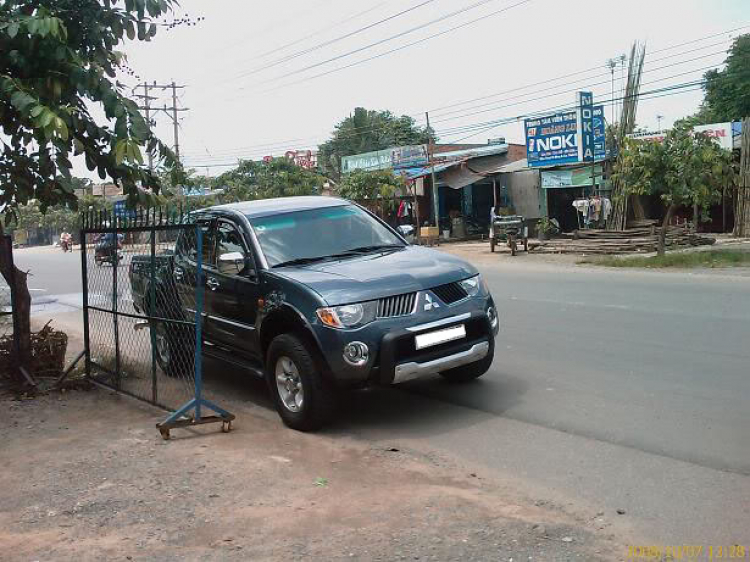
[
  {"x": 356, "y": 353},
  {"x": 492, "y": 315}
]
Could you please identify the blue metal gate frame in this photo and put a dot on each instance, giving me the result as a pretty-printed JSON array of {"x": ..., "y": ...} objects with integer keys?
[{"x": 147, "y": 221}]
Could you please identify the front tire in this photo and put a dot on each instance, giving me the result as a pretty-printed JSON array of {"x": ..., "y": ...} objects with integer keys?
[
  {"x": 304, "y": 399},
  {"x": 471, "y": 371}
]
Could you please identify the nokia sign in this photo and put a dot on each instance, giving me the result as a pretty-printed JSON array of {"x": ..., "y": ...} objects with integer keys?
[{"x": 554, "y": 139}]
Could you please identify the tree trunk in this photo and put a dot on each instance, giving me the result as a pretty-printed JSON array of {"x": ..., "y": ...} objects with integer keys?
[
  {"x": 742, "y": 208},
  {"x": 21, "y": 303},
  {"x": 636, "y": 204},
  {"x": 663, "y": 232}
]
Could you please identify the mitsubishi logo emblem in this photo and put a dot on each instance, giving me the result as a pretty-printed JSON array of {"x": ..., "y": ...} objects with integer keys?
[{"x": 429, "y": 302}]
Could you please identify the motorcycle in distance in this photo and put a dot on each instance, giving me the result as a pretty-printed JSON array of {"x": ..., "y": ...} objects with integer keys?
[
  {"x": 66, "y": 242},
  {"x": 108, "y": 249}
]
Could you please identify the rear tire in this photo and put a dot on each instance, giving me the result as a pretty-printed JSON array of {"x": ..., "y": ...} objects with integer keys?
[
  {"x": 174, "y": 348},
  {"x": 471, "y": 371},
  {"x": 304, "y": 399}
]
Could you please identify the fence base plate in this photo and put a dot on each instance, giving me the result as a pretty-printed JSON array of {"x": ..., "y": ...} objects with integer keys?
[{"x": 180, "y": 419}]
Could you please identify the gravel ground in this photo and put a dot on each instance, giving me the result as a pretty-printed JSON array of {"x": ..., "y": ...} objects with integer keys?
[{"x": 87, "y": 477}]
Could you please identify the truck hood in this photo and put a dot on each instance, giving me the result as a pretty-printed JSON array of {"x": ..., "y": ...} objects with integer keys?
[{"x": 379, "y": 275}]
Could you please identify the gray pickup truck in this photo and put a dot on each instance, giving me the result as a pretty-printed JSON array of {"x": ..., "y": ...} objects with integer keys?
[{"x": 316, "y": 294}]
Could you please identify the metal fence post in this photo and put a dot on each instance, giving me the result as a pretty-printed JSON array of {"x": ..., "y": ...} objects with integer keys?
[
  {"x": 85, "y": 296},
  {"x": 198, "y": 321},
  {"x": 152, "y": 312},
  {"x": 115, "y": 315}
]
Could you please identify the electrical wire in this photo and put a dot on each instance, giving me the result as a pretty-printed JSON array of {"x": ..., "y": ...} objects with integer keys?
[
  {"x": 332, "y": 41},
  {"x": 478, "y": 128},
  {"x": 382, "y": 41},
  {"x": 395, "y": 50},
  {"x": 283, "y": 144},
  {"x": 648, "y": 62},
  {"x": 523, "y": 100},
  {"x": 641, "y": 97},
  {"x": 320, "y": 30}
]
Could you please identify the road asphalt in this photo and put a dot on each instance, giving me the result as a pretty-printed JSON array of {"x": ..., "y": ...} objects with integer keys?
[{"x": 625, "y": 393}]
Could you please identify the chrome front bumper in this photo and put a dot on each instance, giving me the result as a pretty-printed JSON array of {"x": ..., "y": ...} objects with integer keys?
[{"x": 409, "y": 371}]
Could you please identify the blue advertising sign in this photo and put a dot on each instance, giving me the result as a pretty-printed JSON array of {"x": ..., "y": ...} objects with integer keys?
[
  {"x": 586, "y": 126},
  {"x": 552, "y": 140}
]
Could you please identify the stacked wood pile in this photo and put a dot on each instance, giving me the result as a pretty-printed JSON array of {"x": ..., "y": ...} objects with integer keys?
[{"x": 623, "y": 241}]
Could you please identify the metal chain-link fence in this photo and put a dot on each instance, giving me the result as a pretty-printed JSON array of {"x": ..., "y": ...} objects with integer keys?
[{"x": 142, "y": 312}]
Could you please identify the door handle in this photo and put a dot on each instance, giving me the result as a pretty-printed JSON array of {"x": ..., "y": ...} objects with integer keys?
[{"x": 212, "y": 283}]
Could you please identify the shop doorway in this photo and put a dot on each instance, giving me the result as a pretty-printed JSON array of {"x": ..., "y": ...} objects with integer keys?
[{"x": 560, "y": 206}]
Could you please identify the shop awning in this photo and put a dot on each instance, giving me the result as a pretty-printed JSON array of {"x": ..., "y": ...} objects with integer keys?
[
  {"x": 420, "y": 171},
  {"x": 472, "y": 171}
]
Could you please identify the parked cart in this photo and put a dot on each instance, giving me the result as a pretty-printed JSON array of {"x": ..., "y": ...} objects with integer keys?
[{"x": 510, "y": 230}]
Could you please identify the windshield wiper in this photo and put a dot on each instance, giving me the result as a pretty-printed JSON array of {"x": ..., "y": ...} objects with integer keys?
[
  {"x": 368, "y": 249},
  {"x": 347, "y": 253},
  {"x": 301, "y": 261}
]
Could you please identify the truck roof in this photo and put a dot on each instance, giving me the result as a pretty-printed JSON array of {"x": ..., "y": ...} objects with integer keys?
[{"x": 280, "y": 205}]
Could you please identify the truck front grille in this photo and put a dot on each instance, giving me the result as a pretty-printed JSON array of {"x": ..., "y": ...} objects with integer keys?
[
  {"x": 400, "y": 305},
  {"x": 450, "y": 293}
]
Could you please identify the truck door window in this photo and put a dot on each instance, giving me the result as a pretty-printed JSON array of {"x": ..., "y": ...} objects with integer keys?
[
  {"x": 187, "y": 244},
  {"x": 231, "y": 254}
]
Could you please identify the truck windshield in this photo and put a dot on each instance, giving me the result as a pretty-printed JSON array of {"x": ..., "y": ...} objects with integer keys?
[{"x": 317, "y": 234}]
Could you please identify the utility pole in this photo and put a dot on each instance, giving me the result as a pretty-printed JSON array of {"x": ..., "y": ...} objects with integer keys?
[
  {"x": 175, "y": 122},
  {"x": 431, "y": 156},
  {"x": 146, "y": 107},
  {"x": 612, "y": 64},
  {"x": 170, "y": 111}
]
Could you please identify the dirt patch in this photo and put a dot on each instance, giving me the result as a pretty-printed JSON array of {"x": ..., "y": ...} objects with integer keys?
[{"x": 86, "y": 477}]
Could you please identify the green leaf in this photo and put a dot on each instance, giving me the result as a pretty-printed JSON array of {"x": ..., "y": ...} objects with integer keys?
[
  {"x": 120, "y": 150},
  {"x": 136, "y": 152},
  {"x": 21, "y": 100},
  {"x": 37, "y": 110},
  {"x": 13, "y": 29},
  {"x": 61, "y": 128},
  {"x": 46, "y": 118}
]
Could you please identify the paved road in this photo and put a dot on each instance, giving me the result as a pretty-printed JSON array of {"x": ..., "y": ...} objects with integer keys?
[{"x": 610, "y": 390}]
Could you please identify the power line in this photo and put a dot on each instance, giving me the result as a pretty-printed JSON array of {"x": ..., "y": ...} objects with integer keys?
[
  {"x": 334, "y": 40},
  {"x": 478, "y": 128},
  {"x": 648, "y": 62},
  {"x": 645, "y": 96},
  {"x": 572, "y": 90},
  {"x": 268, "y": 147},
  {"x": 602, "y": 74},
  {"x": 382, "y": 41},
  {"x": 524, "y": 98},
  {"x": 321, "y": 30},
  {"x": 402, "y": 47}
]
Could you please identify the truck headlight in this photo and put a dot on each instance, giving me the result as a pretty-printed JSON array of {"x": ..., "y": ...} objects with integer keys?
[
  {"x": 348, "y": 315},
  {"x": 471, "y": 285}
]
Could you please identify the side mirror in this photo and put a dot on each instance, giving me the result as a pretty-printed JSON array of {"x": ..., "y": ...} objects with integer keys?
[{"x": 231, "y": 263}]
